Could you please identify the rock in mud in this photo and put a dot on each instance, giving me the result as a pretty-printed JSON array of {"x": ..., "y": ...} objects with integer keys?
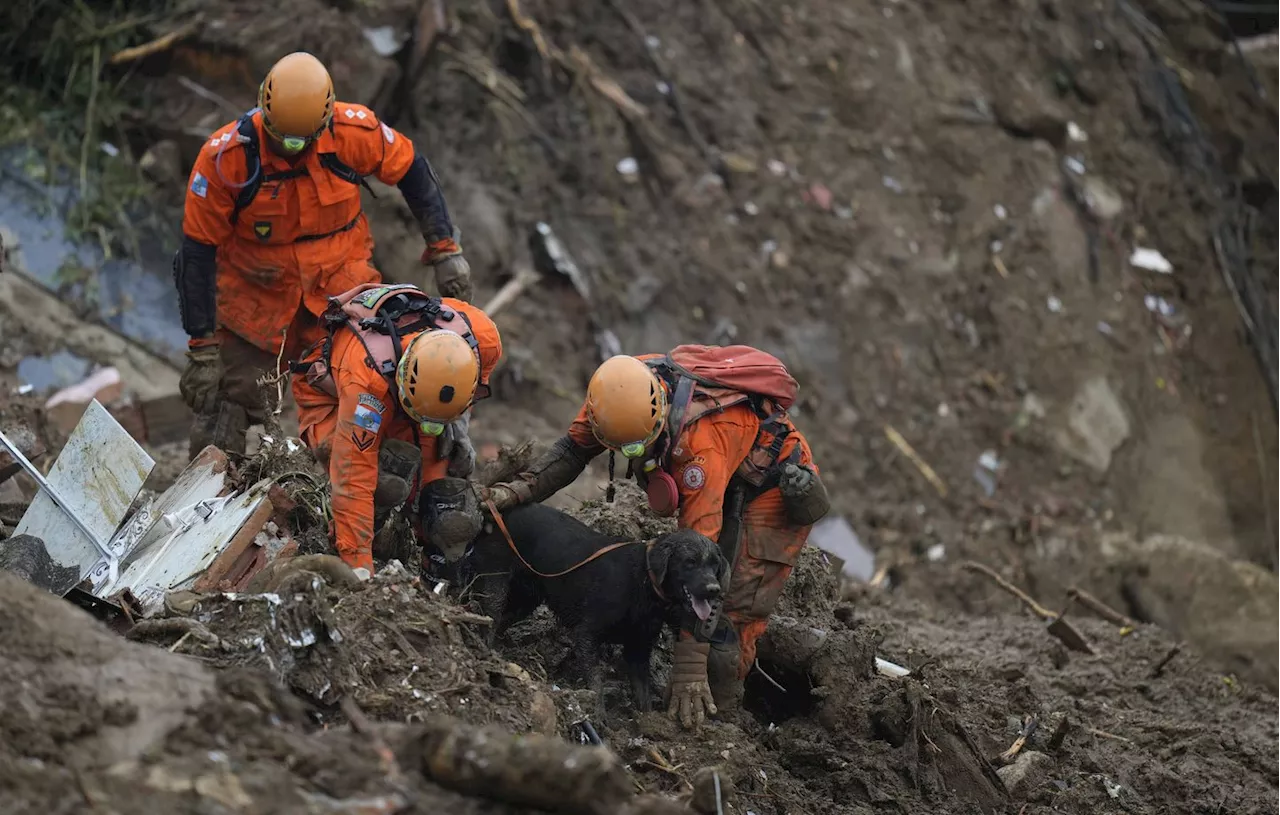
[
  {"x": 532, "y": 770},
  {"x": 1027, "y": 772},
  {"x": 1027, "y": 111},
  {"x": 1226, "y": 607},
  {"x": 1095, "y": 424}
]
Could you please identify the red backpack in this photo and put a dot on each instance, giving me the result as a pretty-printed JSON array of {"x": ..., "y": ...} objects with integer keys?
[{"x": 738, "y": 368}]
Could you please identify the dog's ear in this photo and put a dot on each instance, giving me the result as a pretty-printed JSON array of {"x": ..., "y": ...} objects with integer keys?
[
  {"x": 722, "y": 567},
  {"x": 659, "y": 558}
]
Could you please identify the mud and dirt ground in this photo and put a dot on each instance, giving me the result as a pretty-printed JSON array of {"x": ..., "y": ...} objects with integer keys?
[{"x": 928, "y": 211}]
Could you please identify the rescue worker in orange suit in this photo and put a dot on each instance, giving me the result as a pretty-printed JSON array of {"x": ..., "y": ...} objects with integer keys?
[
  {"x": 729, "y": 460},
  {"x": 384, "y": 402},
  {"x": 273, "y": 224}
]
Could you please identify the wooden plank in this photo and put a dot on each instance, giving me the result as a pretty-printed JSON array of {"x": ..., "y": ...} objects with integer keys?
[{"x": 224, "y": 563}]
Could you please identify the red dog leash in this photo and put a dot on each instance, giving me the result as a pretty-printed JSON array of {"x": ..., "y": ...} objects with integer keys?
[{"x": 502, "y": 525}]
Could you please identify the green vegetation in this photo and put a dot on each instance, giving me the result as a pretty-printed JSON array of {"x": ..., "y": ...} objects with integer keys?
[{"x": 76, "y": 113}]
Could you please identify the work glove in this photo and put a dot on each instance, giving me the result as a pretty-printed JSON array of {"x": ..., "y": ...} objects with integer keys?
[
  {"x": 455, "y": 445},
  {"x": 796, "y": 480},
  {"x": 502, "y": 496},
  {"x": 689, "y": 698},
  {"x": 804, "y": 496},
  {"x": 453, "y": 278},
  {"x": 199, "y": 381}
]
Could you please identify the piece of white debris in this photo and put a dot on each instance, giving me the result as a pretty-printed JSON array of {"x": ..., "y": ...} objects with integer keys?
[
  {"x": 1151, "y": 260},
  {"x": 1055, "y": 305},
  {"x": 936, "y": 553},
  {"x": 1075, "y": 133},
  {"x": 628, "y": 166},
  {"x": 1000, "y": 211},
  {"x": 1075, "y": 165}
]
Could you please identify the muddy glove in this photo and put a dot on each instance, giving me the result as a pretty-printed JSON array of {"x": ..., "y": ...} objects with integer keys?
[
  {"x": 199, "y": 381},
  {"x": 453, "y": 278},
  {"x": 455, "y": 445},
  {"x": 803, "y": 495},
  {"x": 688, "y": 692}
]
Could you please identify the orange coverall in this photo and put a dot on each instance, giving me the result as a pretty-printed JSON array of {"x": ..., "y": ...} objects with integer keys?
[
  {"x": 710, "y": 449},
  {"x": 301, "y": 238},
  {"x": 331, "y": 424}
]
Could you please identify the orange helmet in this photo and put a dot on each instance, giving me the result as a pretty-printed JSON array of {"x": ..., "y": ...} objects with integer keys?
[
  {"x": 437, "y": 377},
  {"x": 296, "y": 100},
  {"x": 626, "y": 405}
]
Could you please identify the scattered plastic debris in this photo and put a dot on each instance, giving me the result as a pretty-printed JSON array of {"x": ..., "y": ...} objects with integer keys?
[
  {"x": 776, "y": 167},
  {"x": 1074, "y": 164},
  {"x": 1000, "y": 211},
  {"x": 819, "y": 195},
  {"x": 1054, "y": 304},
  {"x": 837, "y": 537},
  {"x": 663, "y": 88},
  {"x": 1158, "y": 305},
  {"x": 886, "y": 668},
  {"x": 751, "y": 208},
  {"x": 110, "y": 149},
  {"x": 985, "y": 471},
  {"x": 1151, "y": 260},
  {"x": 936, "y": 553},
  {"x": 892, "y": 183},
  {"x": 1076, "y": 133},
  {"x": 628, "y": 166},
  {"x": 384, "y": 40}
]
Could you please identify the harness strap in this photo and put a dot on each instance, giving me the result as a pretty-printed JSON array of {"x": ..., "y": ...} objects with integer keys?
[
  {"x": 248, "y": 134},
  {"x": 502, "y": 525}
]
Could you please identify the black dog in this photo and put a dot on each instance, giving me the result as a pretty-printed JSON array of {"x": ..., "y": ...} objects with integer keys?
[{"x": 622, "y": 597}]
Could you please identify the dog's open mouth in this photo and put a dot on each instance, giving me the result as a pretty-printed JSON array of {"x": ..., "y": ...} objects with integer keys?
[{"x": 701, "y": 607}]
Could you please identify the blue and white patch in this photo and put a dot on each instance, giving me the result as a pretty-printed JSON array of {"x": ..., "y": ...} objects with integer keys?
[
  {"x": 200, "y": 185},
  {"x": 367, "y": 418},
  {"x": 369, "y": 400}
]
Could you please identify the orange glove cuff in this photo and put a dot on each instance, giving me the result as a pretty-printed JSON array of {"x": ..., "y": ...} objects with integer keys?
[{"x": 437, "y": 251}]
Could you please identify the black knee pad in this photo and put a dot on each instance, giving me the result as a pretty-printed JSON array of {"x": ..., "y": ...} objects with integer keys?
[{"x": 450, "y": 514}]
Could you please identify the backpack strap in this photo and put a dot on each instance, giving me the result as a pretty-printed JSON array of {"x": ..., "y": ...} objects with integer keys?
[
  {"x": 338, "y": 167},
  {"x": 248, "y": 136}
]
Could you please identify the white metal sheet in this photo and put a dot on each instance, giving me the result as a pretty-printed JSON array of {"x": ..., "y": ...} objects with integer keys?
[
  {"x": 99, "y": 473},
  {"x": 202, "y": 481},
  {"x": 186, "y": 542}
]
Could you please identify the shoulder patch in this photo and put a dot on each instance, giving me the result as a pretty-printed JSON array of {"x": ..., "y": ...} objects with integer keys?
[
  {"x": 692, "y": 474},
  {"x": 388, "y": 134},
  {"x": 371, "y": 401},
  {"x": 694, "y": 477},
  {"x": 358, "y": 115},
  {"x": 366, "y": 416},
  {"x": 200, "y": 185}
]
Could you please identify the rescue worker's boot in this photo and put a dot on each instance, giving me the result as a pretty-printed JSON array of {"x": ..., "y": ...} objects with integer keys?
[
  {"x": 397, "y": 470},
  {"x": 224, "y": 429}
]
